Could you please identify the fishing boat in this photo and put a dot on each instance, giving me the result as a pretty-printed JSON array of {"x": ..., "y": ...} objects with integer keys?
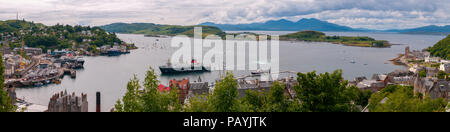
[
  {"x": 39, "y": 84},
  {"x": 80, "y": 60}
]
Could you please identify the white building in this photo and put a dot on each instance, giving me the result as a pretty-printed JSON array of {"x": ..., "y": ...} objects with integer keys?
[
  {"x": 415, "y": 68},
  {"x": 445, "y": 67},
  {"x": 432, "y": 59}
]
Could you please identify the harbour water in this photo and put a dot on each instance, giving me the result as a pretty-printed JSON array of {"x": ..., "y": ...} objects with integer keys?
[{"x": 109, "y": 75}]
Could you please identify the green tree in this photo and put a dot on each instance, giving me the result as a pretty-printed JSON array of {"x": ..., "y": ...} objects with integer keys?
[
  {"x": 223, "y": 99},
  {"x": 323, "y": 93},
  {"x": 358, "y": 96},
  {"x": 257, "y": 101},
  {"x": 131, "y": 100},
  {"x": 198, "y": 104},
  {"x": 402, "y": 99},
  {"x": 441, "y": 49},
  {"x": 274, "y": 100},
  {"x": 279, "y": 101},
  {"x": 423, "y": 73},
  {"x": 442, "y": 75},
  {"x": 225, "y": 95},
  {"x": 148, "y": 98}
]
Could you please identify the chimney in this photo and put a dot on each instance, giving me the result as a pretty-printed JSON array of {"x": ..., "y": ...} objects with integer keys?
[
  {"x": 98, "y": 102},
  {"x": 76, "y": 100},
  {"x": 258, "y": 83}
]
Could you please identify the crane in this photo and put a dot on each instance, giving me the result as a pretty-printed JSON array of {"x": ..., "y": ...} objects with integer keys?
[{"x": 22, "y": 64}]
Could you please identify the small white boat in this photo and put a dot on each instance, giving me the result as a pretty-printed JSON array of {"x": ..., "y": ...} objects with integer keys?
[{"x": 258, "y": 72}]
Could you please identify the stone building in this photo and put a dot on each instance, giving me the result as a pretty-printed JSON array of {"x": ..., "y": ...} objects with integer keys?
[
  {"x": 264, "y": 86},
  {"x": 199, "y": 88},
  {"x": 401, "y": 77},
  {"x": 11, "y": 93},
  {"x": 183, "y": 87},
  {"x": 445, "y": 67},
  {"x": 28, "y": 50},
  {"x": 256, "y": 85},
  {"x": 63, "y": 102},
  {"x": 6, "y": 50},
  {"x": 435, "y": 88}
]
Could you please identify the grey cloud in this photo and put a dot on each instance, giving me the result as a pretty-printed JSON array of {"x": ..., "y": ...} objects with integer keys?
[{"x": 358, "y": 13}]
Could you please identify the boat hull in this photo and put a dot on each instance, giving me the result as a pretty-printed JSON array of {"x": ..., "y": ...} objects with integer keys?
[{"x": 171, "y": 70}]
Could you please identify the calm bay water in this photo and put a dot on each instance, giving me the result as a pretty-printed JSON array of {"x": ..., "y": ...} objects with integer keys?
[{"x": 109, "y": 75}]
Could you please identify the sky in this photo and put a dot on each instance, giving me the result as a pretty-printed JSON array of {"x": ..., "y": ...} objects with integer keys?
[{"x": 372, "y": 14}]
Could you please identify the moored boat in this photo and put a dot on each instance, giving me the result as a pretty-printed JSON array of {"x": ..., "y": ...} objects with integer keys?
[{"x": 171, "y": 69}]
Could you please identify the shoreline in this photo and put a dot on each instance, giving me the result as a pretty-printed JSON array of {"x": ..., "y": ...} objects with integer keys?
[
  {"x": 350, "y": 45},
  {"x": 398, "y": 61}
]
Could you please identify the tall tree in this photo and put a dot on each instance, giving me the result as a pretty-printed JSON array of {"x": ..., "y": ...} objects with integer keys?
[
  {"x": 323, "y": 93},
  {"x": 402, "y": 99},
  {"x": 279, "y": 101},
  {"x": 131, "y": 100},
  {"x": 225, "y": 95},
  {"x": 148, "y": 98}
]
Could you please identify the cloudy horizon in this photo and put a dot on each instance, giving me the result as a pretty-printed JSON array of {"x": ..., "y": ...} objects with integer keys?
[{"x": 371, "y": 14}]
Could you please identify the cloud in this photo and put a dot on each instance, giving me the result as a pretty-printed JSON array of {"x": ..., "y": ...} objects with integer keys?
[{"x": 379, "y": 14}]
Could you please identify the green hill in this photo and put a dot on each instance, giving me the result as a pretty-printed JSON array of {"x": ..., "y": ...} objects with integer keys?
[
  {"x": 156, "y": 29},
  {"x": 15, "y": 25},
  {"x": 315, "y": 36},
  {"x": 441, "y": 49},
  {"x": 53, "y": 37}
]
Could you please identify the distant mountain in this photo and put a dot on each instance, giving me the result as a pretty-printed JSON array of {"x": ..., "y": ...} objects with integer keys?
[
  {"x": 272, "y": 25},
  {"x": 152, "y": 29},
  {"x": 432, "y": 29},
  {"x": 285, "y": 25},
  {"x": 319, "y": 25}
]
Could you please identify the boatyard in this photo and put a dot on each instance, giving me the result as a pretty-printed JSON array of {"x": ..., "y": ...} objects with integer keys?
[{"x": 41, "y": 70}]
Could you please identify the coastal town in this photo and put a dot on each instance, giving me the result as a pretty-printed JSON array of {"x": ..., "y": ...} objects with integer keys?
[
  {"x": 28, "y": 67},
  {"x": 423, "y": 74},
  {"x": 32, "y": 67},
  {"x": 43, "y": 55}
]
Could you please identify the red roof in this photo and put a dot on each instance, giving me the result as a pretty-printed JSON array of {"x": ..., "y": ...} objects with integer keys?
[{"x": 163, "y": 88}]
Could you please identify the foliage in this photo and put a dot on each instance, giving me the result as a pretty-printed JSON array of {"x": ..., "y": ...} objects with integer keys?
[
  {"x": 199, "y": 104},
  {"x": 147, "y": 98},
  {"x": 321, "y": 37},
  {"x": 402, "y": 99},
  {"x": 5, "y": 101},
  {"x": 156, "y": 29},
  {"x": 314, "y": 93},
  {"x": 274, "y": 100},
  {"x": 15, "y": 25},
  {"x": 358, "y": 96},
  {"x": 443, "y": 75},
  {"x": 423, "y": 73},
  {"x": 441, "y": 49},
  {"x": 324, "y": 93},
  {"x": 225, "y": 95},
  {"x": 57, "y": 36}
]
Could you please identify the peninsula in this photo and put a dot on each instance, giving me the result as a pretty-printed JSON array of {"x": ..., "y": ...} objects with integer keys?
[
  {"x": 315, "y": 36},
  {"x": 151, "y": 29}
]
